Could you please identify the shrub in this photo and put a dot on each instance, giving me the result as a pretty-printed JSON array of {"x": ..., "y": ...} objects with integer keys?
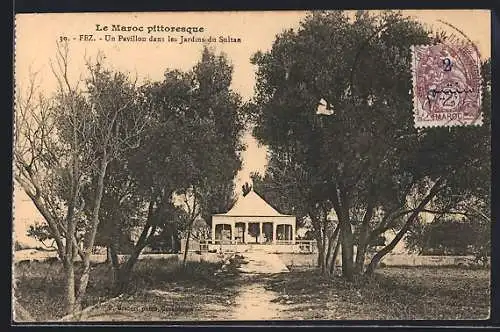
[{"x": 18, "y": 246}]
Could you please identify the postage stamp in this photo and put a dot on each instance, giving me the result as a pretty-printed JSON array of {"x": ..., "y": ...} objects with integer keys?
[{"x": 446, "y": 85}]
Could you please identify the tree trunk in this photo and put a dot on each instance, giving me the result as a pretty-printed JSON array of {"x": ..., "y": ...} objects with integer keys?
[
  {"x": 409, "y": 222},
  {"x": 108, "y": 255},
  {"x": 334, "y": 257},
  {"x": 176, "y": 240},
  {"x": 115, "y": 263},
  {"x": 363, "y": 241},
  {"x": 319, "y": 243},
  {"x": 70, "y": 286},
  {"x": 322, "y": 248},
  {"x": 114, "y": 244},
  {"x": 341, "y": 205},
  {"x": 326, "y": 247},
  {"x": 71, "y": 297},
  {"x": 186, "y": 247},
  {"x": 329, "y": 258},
  {"x": 123, "y": 275},
  {"x": 347, "y": 250},
  {"x": 173, "y": 244},
  {"x": 318, "y": 237},
  {"x": 360, "y": 258},
  {"x": 328, "y": 254},
  {"x": 84, "y": 279}
]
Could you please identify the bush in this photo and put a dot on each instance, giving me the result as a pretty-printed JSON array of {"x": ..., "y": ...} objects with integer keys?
[{"x": 18, "y": 246}]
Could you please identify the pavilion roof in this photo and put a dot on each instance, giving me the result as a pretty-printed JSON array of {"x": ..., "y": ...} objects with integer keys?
[{"x": 253, "y": 205}]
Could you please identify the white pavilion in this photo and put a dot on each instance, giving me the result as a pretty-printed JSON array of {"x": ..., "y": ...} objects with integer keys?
[{"x": 252, "y": 221}]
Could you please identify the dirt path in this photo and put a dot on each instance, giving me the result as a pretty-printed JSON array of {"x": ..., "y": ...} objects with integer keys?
[
  {"x": 254, "y": 301},
  {"x": 262, "y": 263}
]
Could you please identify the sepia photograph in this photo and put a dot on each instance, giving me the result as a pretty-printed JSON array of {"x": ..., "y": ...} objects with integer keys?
[{"x": 251, "y": 166}]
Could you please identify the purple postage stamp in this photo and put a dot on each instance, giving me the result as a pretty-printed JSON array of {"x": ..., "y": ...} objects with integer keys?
[{"x": 446, "y": 85}]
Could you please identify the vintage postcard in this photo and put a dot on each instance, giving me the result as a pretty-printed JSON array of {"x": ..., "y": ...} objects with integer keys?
[{"x": 252, "y": 166}]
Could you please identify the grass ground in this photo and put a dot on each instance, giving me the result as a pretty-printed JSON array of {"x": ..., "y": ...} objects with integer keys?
[
  {"x": 159, "y": 288},
  {"x": 394, "y": 293}
]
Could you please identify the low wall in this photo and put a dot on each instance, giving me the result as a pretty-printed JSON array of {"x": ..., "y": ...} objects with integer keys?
[
  {"x": 271, "y": 248},
  {"x": 203, "y": 257},
  {"x": 302, "y": 260},
  {"x": 287, "y": 255},
  {"x": 192, "y": 257},
  {"x": 418, "y": 260},
  {"x": 194, "y": 245},
  {"x": 310, "y": 260},
  {"x": 99, "y": 258}
]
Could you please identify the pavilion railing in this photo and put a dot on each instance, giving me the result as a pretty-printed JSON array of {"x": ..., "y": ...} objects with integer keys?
[{"x": 303, "y": 246}]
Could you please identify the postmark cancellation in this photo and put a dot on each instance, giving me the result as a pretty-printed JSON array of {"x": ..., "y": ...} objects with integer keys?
[{"x": 446, "y": 85}]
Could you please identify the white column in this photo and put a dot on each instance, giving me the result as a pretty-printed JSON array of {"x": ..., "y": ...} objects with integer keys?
[
  {"x": 232, "y": 231},
  {"x": 245, "y": 233},
  {"x": 293, "y": 232},
  {"x": 274, "y": 232},
  {"x": 214, "y": 224},
  {"x": 260, "y": 232}
]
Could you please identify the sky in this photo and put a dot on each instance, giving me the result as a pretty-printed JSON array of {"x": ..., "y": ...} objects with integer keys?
[{"x": 35, "y": 50}]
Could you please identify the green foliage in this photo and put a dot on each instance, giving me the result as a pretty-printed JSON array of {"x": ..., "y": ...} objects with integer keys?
[
  {"x": 366, "y": 153},
  {"x": 39, "y": 231},
  {"x": 167, "y": 241},
  {"x": 171, "y": 137},
  {"x": 185, "y": 160},
  {"x": 365, "y": 81},
  {"x": 195, "y": 139},
  {"x": 446, "y": 237},
  {"x": 449, "y": 236},
  {"x": 363, "y": 74}
]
